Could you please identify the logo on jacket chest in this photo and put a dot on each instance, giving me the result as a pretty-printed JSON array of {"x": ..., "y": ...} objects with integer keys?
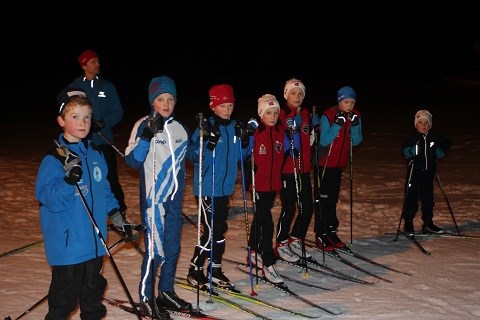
[
  {"x": 278, "y": 146},
  {"x": 262, "y": 149},
  {"x": 97, "y": 174}
]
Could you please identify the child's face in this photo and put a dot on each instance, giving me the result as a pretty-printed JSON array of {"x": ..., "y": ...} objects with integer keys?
[
  {"x": 164, "y": 104},
  {"x": 295, "y": 97},
  {"x": 224, "y": 110},
  {"x": 270, "y": 117},
  {"x": 346, "y": 105},
  {"x": 76, "y": 122},
  {"x": 422, "y": 126}
]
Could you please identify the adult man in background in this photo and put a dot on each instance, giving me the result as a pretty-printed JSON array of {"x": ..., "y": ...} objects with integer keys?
[{"x": 107, "y": 112}]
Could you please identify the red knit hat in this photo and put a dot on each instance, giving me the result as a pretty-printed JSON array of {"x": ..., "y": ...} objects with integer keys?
[
  {"x": 85, "y": 56},
  {"x": 221, "y": 93}
]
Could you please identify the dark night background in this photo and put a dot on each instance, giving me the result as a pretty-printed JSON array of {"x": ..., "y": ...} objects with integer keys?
[{"x": 393, "y": 53}]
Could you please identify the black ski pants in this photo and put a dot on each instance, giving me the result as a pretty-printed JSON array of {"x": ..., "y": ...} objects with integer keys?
[
  {"x": 77, "y": 283},
  {"x": 261, "y": 233},
  {"x": 220, "y": 226},
  {"x": 326, "y": 198},
  {"x": 288, "y": 195},
  {"x": 420, "y": 189}
]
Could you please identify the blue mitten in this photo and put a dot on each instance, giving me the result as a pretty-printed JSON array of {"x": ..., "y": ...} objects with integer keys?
[{"x": 297, "y": 120}]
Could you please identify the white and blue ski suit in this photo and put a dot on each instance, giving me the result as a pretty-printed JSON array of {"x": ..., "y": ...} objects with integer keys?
[{"x": 162, "y": 182}]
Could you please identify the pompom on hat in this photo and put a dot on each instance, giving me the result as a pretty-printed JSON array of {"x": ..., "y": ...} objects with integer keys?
[
  {"x": 425, "y": 115},
  {"x": 346, "y": 93},
  {"x": 85, "y": 56},
  {"x": 66, "y": 95},
  {"x": 293, "y": 83},
  {"x": 159, "y": 85},
  {"x": 221, "y": 93},
  {"x": 266, "y": 102}
]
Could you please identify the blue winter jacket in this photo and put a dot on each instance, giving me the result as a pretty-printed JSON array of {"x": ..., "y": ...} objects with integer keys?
[
  {"x": 227, "y": 153},
  {"x": 106, "y": 104},
  {"x": 69, "y": 234}
]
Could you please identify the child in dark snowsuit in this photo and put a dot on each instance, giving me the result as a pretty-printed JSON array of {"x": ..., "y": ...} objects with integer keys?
[{"x": 422, "y": 150}]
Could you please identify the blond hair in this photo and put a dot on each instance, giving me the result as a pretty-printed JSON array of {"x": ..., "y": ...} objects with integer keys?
[{"x": 73, "y": 102}]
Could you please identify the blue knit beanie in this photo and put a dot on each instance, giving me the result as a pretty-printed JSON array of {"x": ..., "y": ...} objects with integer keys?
[
  {"x": 346, "y": 93},
  {"x": 161, "y": 85}
]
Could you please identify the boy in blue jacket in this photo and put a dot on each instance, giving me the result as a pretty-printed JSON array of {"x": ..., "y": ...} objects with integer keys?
[
  {"x": 73, "y": 246},
  {"x": 226, "y": 143}
]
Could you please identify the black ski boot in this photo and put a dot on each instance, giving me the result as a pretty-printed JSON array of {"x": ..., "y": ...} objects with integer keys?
[
  {"x": 408, "y": 229},
  {"x": 170, "y": 300},
  {"x": 150, "y": 308},
  {"x": 431, "y": 228}
]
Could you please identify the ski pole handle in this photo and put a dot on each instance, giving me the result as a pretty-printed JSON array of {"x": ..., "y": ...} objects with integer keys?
[{"x": 200, "y": 119}]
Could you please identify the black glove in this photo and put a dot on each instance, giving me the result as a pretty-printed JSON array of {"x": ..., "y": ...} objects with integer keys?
[
  {"x": 97, "y": 125},
  {"x": 252, "y": 126},
  {"x": 204, "y": 124},
  {"x": 124, "y": 227},
  {"x": 213, "y": 138},
  {"x": 242, "y": 133},
  {"x": 73, "y": 168},
  {"x": 340, "y": 118},
  {"x": 353, "y": 119},
  {"x": 154, "y": 125}
]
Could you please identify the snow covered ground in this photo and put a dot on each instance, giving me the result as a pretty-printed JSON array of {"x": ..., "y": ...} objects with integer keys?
[{"x": 443, "y": 285}]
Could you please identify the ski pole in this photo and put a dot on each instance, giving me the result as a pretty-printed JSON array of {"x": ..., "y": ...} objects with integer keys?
[
  {"x": 351, "y": 190},
  {"x": 151, "y": 221},
  {"x": 22, "y": 248},
  {"x": 323, "y": 174},
  {"x": 295, "y": 175},
  {"x": 253, "y": 293},
  {"x": 317, "y": 179},
  {"x": 254, "y": 201},
  {"x": 200, "y": 202},
  {"x": 36, "y": 304},
  {"x": 407, "y": 186},
  {"x": 212, "y": 217},
  {"x": 300, "y": 203},
  {"x": 111, "y": 144},
  {"x": 189, "y": 220},
  {"x": 448, "y": 202}
]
